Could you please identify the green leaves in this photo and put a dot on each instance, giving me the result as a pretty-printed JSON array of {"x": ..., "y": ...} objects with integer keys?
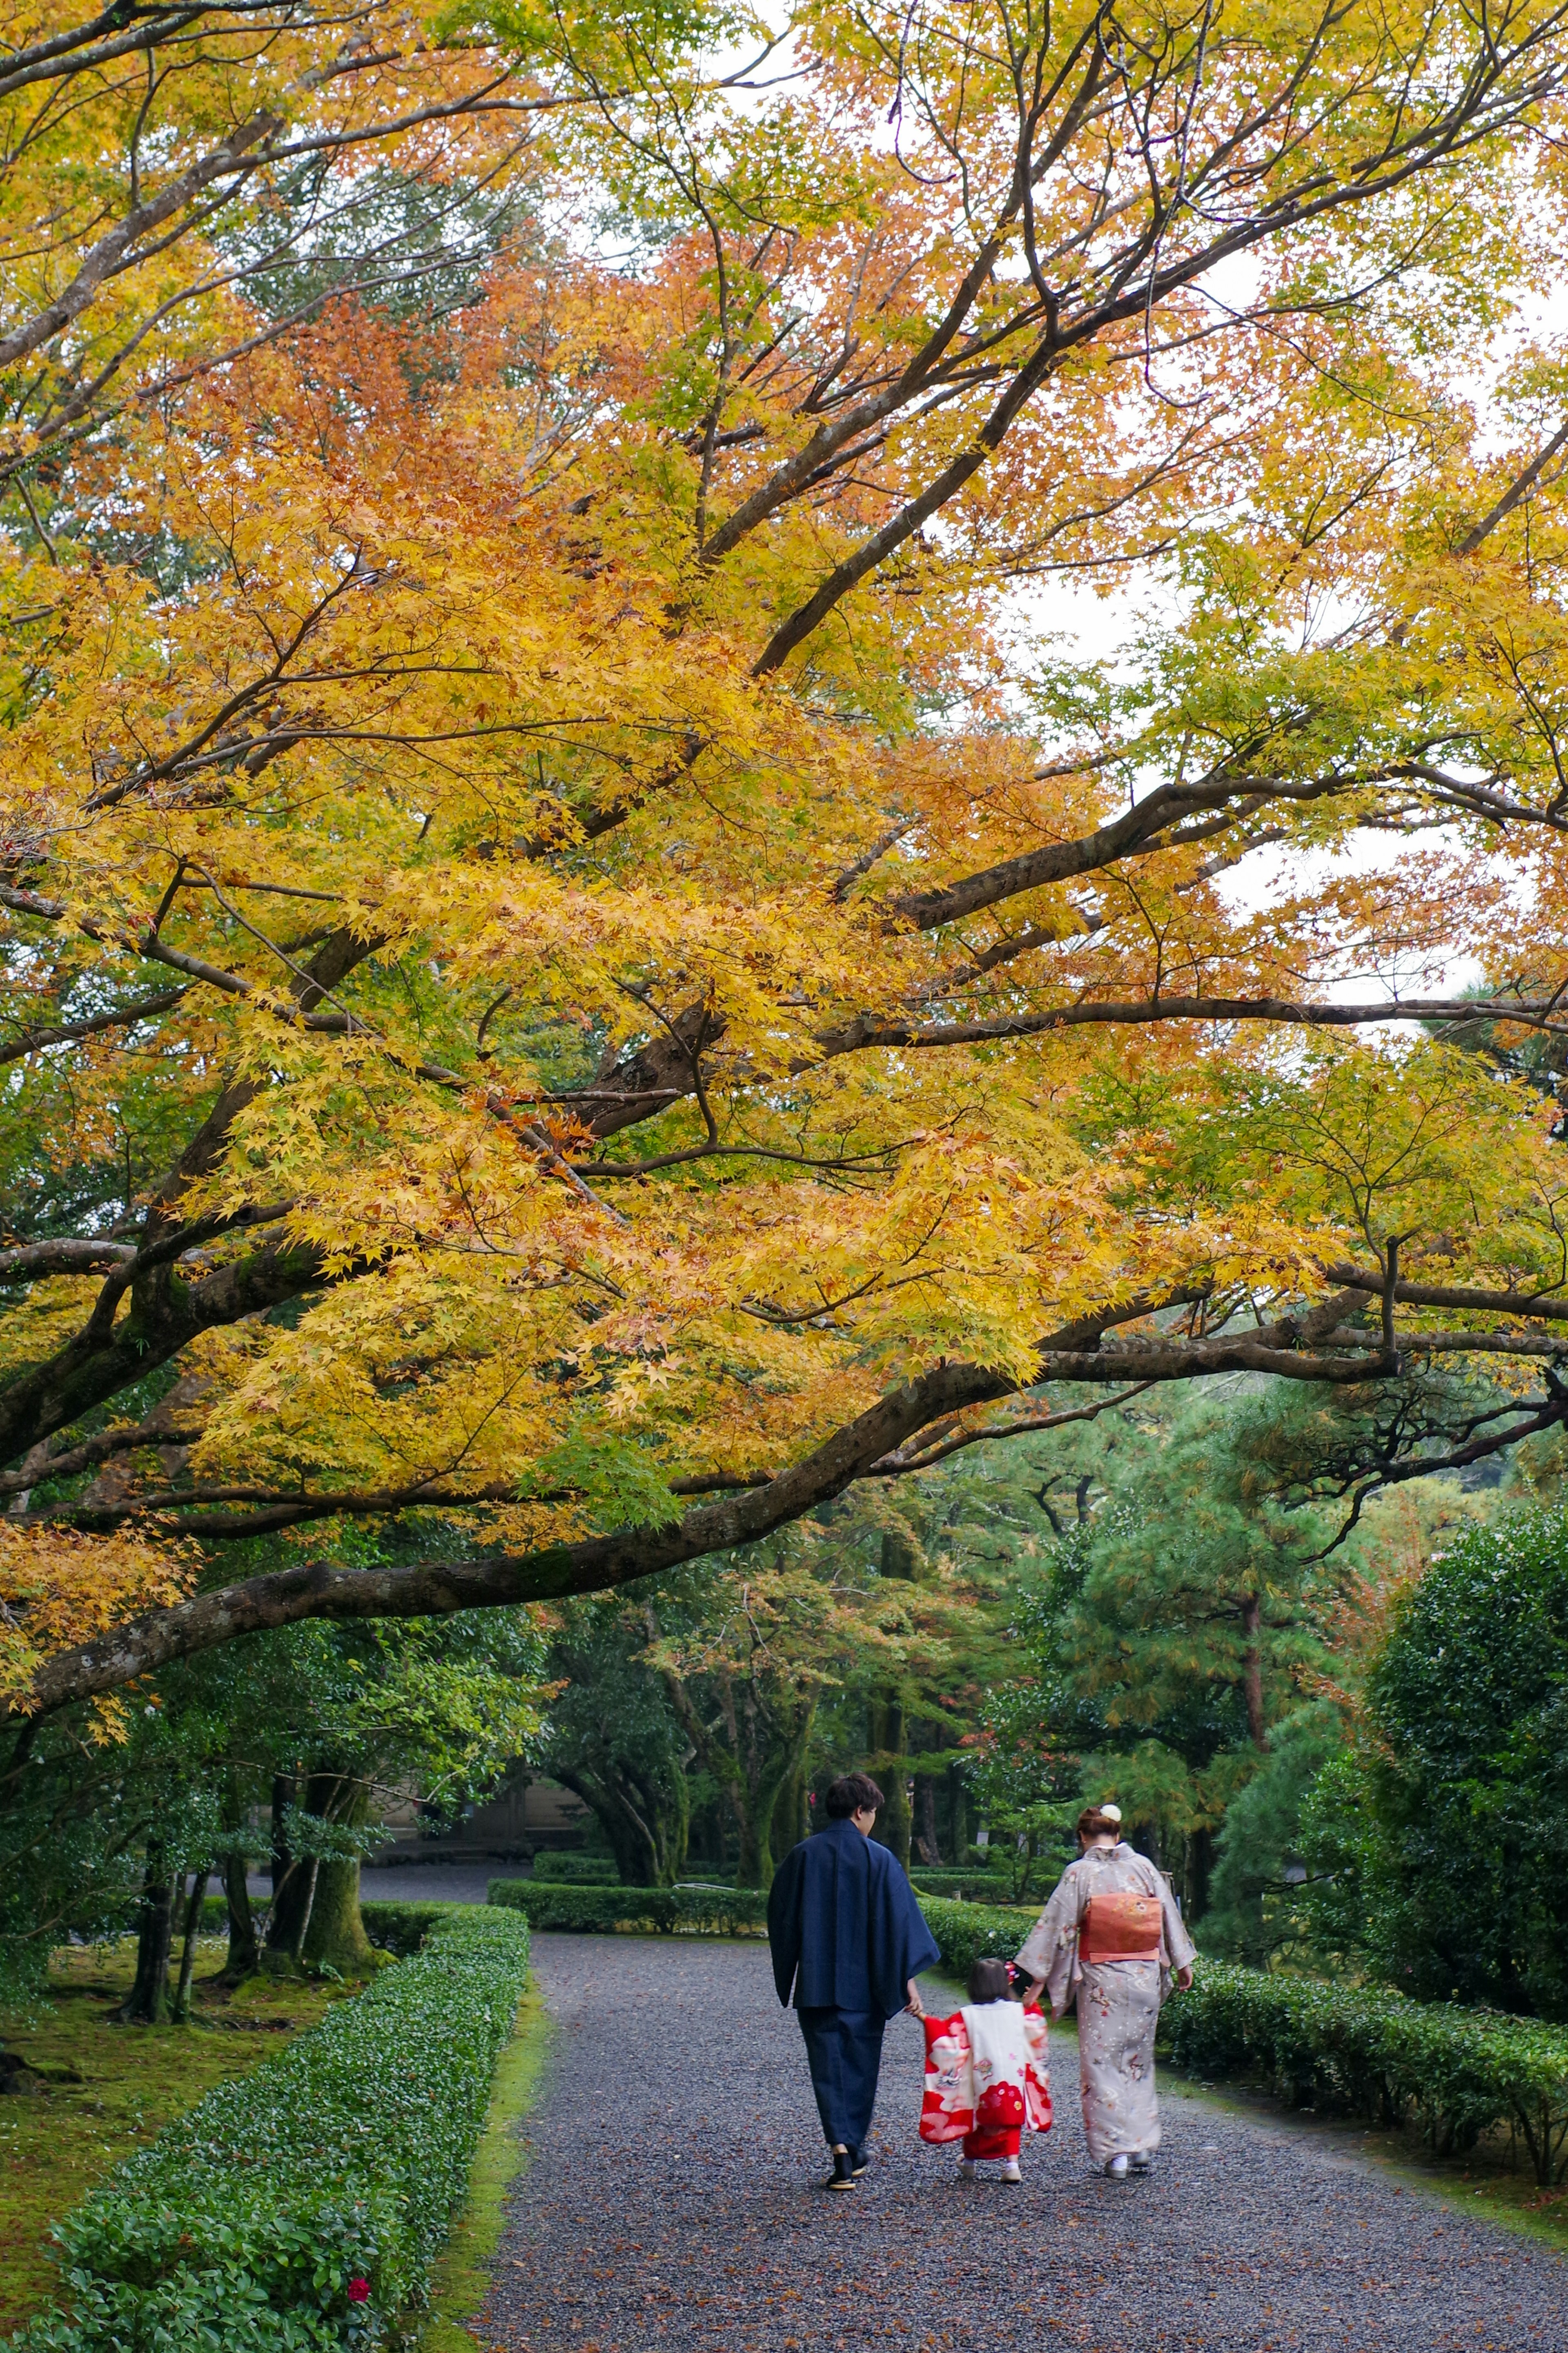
[
  {"x": 244, "y": 2223},
  {"x": 1455, "y": 2072},
  {"x": 1437, "y": 1849},
  {"x": 635, "y": 1910}
]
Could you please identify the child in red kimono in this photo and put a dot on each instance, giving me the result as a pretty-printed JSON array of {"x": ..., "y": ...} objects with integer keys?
[{"x": 987, "y": 2081}]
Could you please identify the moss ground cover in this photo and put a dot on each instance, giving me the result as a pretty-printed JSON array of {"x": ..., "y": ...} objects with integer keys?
[
  {"x": 112, "y": 2089},
  {"x": 461, "y": 2279}
]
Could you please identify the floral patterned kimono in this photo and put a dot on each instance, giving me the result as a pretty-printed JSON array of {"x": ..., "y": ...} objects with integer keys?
[
  {"x": 987, "y": 2078},
  {"x": 1108, "y": 1939}
]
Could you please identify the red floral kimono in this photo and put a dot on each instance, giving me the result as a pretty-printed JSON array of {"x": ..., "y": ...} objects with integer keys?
[{"x": 987, "y": 2078}]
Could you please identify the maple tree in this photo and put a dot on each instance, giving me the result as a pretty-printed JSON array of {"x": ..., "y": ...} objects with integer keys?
[{"x": 580, "y": 971}]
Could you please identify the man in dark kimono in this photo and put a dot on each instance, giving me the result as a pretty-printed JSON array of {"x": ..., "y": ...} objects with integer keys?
[{"x": 849, "y": 1937}]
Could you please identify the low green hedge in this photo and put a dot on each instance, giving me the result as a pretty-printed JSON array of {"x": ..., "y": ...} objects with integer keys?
[
  {"x": 975, "y": 1886},
  {"x": 1457, "y": 2072},
  {"x": 576, "y": 1870},
  {"x": 402, "y": 1928},
  {"x": 636, "y": 1911},
  {"x": 968, "y": 1932},
  {"x": 297, "y": 2210}
]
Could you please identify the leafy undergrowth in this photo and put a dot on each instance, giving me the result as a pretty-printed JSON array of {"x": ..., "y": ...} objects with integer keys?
[{"x": 112, "y": 2089}]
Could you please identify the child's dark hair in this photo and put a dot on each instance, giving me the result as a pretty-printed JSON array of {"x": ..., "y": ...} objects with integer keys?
[{"x": 989, "y": 1981}]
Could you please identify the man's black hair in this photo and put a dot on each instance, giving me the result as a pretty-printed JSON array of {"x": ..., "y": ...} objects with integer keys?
[{"x": 854, "y": 1793}]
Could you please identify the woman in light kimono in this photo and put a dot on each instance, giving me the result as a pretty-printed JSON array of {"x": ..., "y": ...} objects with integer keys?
[{"x": 1111, "y": 1938}]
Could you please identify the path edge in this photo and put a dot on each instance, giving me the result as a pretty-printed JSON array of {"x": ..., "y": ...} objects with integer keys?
[{"x": 461, "y": 2278}]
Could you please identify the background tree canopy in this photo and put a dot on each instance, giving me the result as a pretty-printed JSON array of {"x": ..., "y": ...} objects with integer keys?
[{"x": 581, "y": 971}]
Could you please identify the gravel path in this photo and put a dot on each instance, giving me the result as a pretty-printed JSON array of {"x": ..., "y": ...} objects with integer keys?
[{"x": 672, "y": 2202}]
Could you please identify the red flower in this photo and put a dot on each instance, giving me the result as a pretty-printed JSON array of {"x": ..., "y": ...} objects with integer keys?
[{"x": 359, "y": 2290}]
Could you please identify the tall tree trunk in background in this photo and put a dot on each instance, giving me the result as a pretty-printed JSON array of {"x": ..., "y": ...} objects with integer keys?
[
  {"x": 885, "y": 1724},
  {"x": 147, "y": 2003},
  {"x": 756, "y": 1743},
  {"x": 188, "y": 1952},
  {"x": 926, "y": 1838},
  {"x": 901, "y": 1560},
  {"x": 244, "y": 1955},
  {"x": 315, "y": 1916},
  {"x": 1199, "y": 1862},
  {"x": 647, "y": 1821},
  {"x": 290, "y": 1873},
  {"x": 1145, "y": 1839},
  {"x": 957, "y": 1816},
  {"x": 1252, "y": 1664},
  {"x": 791, "y": 1818},
  {"x": 335, "y": 1936}
]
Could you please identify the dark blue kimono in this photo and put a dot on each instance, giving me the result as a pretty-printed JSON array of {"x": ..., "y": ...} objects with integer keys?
[{"x": 846, "y": 1937}]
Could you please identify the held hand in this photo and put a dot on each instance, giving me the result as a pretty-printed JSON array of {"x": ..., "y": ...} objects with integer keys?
[
  {"x": 1184, "y": 1977},
  {"x": 914, "y": 2007},
  {"x": 1036, "y": 1989}
]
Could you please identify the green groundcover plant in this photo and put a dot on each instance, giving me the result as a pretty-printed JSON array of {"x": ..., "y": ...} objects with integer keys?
[
  {"x": 297, "y": 2211},
  {"x": 635, "y": 1910},
  {"x": 1454, "y": 2071}
]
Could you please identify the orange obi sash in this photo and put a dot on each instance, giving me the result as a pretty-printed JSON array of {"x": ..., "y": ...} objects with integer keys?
[{"x": 1119, "y": 1928}]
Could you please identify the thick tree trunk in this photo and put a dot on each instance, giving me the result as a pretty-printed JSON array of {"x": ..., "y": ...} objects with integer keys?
[
  {"x": 244, "y": 1955},
  {"x": 756, "y": 1795},
  {"x": 645, "y": 1822},
  {"x": 147, "y": 2003},
  {"x": 926, "y": 1838},
  {"x": 315, "y": 1916},
  {"x": 335, "y": 1935},
  {"x": 629, "y": 1843}
]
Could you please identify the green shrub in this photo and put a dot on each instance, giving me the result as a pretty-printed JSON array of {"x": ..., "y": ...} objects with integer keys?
[
  {"x": 242, "y": 2227},
  {"x": 1434, "y": 1849},
  {"x": 402, "y": 1928},
  {"x": 576, "y": 1870},
  {"x": 967, "y": 1932},
  {"x": 976, "y": 1886},
  {"x": 1457, "y": 2072},
  {"x": 636, "y": 1911}
]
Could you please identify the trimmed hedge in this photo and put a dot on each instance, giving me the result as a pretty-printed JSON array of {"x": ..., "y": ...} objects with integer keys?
[
  {"x": 1457, "y": 2072},
  {"x": 576, "y": 1870},
  {"x": 297, "y": 2210},
  {"x": 403, "y": 1928},
  {"x": 963, "y": 1931},
  {"x": 975, "y": 1886},
  {"x": 967, "y": 1932},
  {"x": 636, "y": 1911}
]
